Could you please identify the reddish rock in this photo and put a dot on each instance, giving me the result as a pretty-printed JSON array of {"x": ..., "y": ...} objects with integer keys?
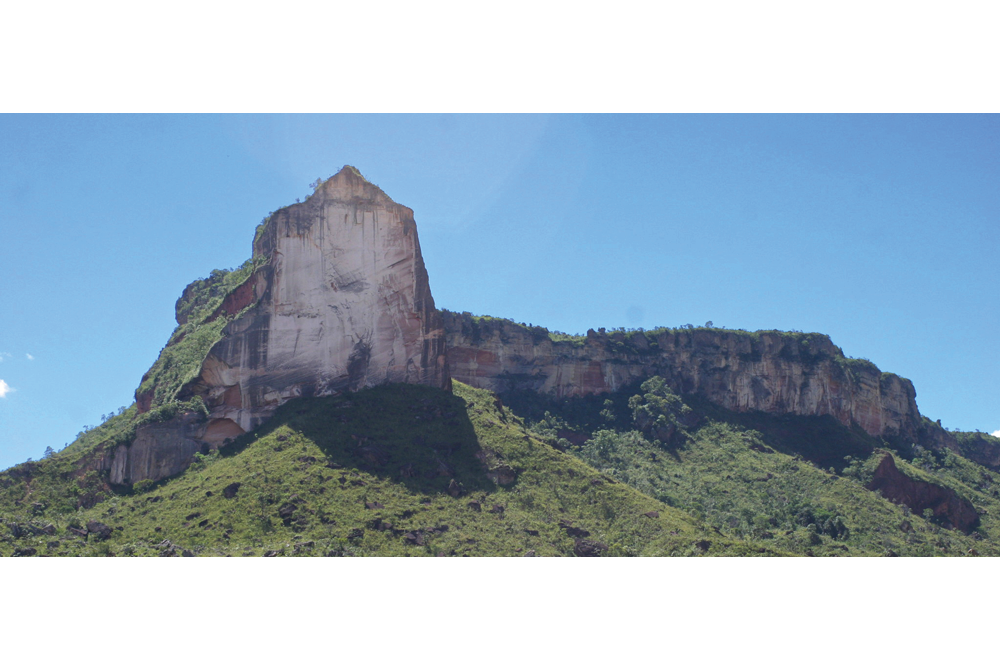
[
  {"x": 948, "y": 507},
  {"x": 233, "y": 397},
  {"x": 144, "y": 401},
  {"x": 237, "y": 300},
  {"x": 219, "y": 430},
  {"x": 766, "y": 371}
]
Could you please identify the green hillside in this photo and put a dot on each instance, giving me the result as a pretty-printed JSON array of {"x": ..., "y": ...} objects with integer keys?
[
  {"x": 795, "y": 483},
  {"x": 411, "y": 470},
  {"x": 395, "y": 470}
]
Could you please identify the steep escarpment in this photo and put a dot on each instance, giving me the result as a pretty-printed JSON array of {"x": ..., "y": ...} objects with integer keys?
[
  {"x": 776, "y": 372},
  {"x": 335, "y": 298},
  {"x": 342, "y": 302}
]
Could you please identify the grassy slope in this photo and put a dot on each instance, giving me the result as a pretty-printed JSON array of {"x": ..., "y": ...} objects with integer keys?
[
  {"x": 767, "y": 478},
  {"x": 57, "y": 482},
  {"x": 180, "y": 360},
  {"x": 396, "y": 448},
  {"x": 774, "y": 497}
]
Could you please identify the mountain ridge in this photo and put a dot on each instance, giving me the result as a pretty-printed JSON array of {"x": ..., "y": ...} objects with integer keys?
[{"x": 335, "y": 304}]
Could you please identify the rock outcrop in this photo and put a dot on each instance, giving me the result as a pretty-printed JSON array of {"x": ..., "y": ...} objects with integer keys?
[
  {"x": 158, "y": 450},
  {"x": 342, "y": 303},
  {"x": 776, "y": 372},
  {"x": 338, "y": 300},
  {"x": 948, "y": 507}
]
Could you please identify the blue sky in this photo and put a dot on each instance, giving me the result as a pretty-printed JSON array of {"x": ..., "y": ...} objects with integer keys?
[{"x": 881, "y": 231}]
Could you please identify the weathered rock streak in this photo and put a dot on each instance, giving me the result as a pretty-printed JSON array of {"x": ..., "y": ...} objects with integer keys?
[
  {"x": 344, "y": 303},
  {"x": 158, "y": 451}
]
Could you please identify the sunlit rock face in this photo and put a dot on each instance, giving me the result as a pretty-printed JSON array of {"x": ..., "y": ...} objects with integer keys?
[
  {"x": 342, "y": 303},
  {"x": 770, "y": 372},
  {"x": 339, "y": 301}
]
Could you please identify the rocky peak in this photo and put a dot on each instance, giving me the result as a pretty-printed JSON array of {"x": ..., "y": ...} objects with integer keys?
[
  {"x": 348, "y": 184},
  {"x": 336, "y": 299}
]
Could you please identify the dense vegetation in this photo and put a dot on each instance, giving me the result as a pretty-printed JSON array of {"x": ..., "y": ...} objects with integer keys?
[
  {"x": 797, "y": 483},
  {"x": 395, "y": 470},
  {"x": 409, "y": 470},
  {"x": 200, "y": 328}
]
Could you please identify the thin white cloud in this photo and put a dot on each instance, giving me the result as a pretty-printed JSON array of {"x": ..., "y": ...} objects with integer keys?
[
  {"x": 30, "y": 356},
  {"x": 995, "y": 434},
  {"x": 4, "y": 389}
]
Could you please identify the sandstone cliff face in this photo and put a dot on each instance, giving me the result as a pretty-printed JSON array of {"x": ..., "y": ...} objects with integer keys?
[
  {"x": 158, "y": 451},
  {"x": 343, "y": 303},
  {"x": 339, "y": 301},
  {"x": 337, "y": 298},
  {"x": 803, "y": 374}
]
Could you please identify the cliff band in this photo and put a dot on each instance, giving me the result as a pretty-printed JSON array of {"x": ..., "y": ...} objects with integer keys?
[
  {"x": 776, "y": 372},
  {"x": 336, "y": 298}
]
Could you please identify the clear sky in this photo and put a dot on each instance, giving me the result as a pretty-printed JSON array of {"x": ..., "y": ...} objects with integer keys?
[{"x": 881, "y": 231}]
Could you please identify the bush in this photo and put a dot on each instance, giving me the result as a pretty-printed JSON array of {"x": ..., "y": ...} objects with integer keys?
[{"x": 143, "y": 485}]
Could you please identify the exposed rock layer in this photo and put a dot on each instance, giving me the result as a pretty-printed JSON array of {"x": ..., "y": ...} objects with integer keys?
[
  {"x": 341, "y": 301},
  {"x": 158, "y": 451},
  {"x": 767, "y": 371},
  {"x": 344, "y": 303},
  {"x": 948, "y": 507}
]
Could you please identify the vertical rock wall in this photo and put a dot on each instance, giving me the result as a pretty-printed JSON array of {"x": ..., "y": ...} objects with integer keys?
[
  {"x": 342, "y": 303},
  {"x": 768, "y": 371},
  {"x": 339, "y": 301}
]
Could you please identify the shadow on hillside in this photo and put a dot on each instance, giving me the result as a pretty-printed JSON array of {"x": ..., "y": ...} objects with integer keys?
[
  {"x": 819, "y": 439},
  {"x": 416, "y": 436}
]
